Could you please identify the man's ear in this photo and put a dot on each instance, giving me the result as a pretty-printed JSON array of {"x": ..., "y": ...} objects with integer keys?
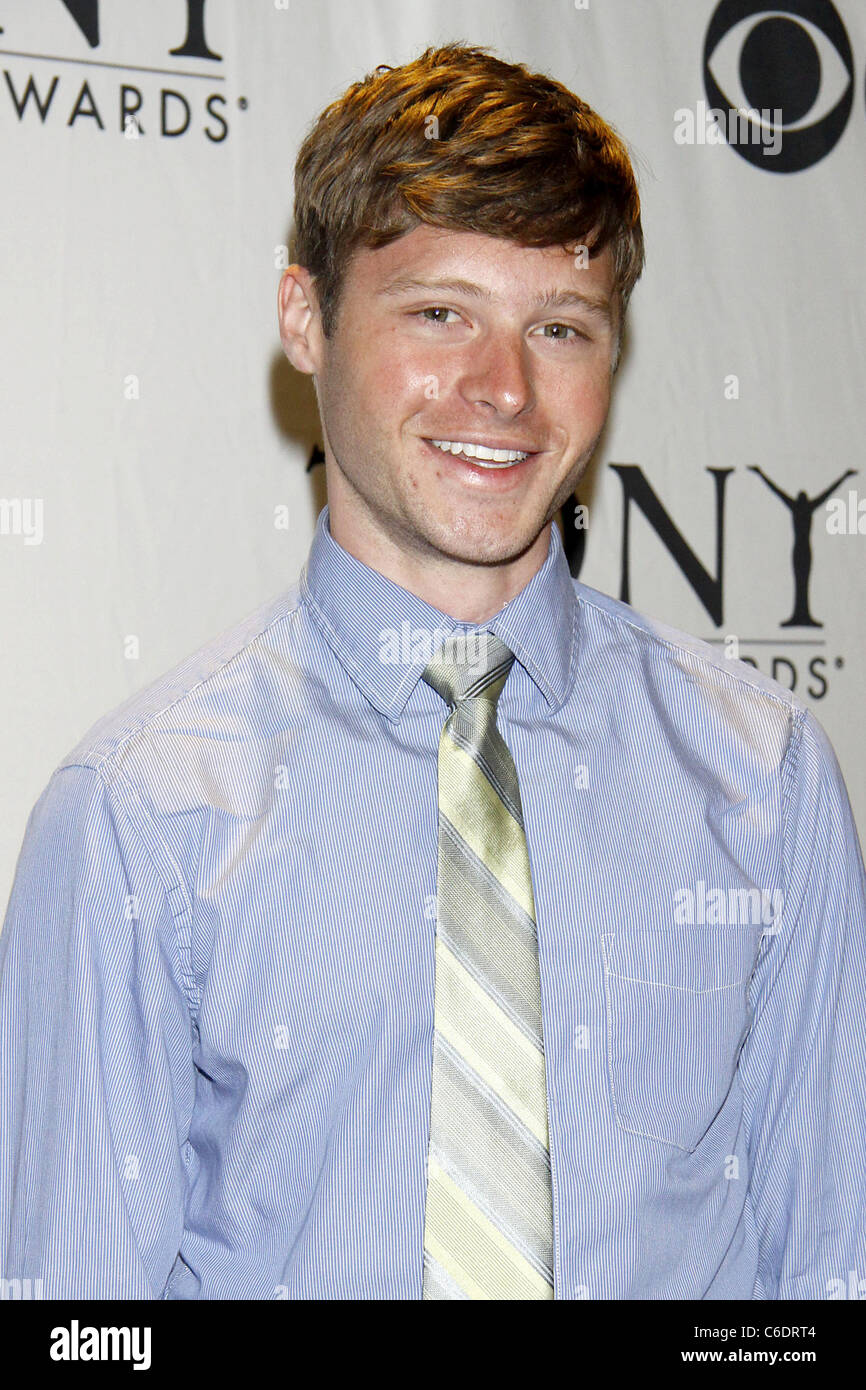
[{"x": 300, "y": 319}]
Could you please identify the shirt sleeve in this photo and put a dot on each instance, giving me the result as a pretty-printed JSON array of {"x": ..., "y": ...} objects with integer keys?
[
  {"x": 804, "y": 1061},
  {"x": 97, "y": 1079}
]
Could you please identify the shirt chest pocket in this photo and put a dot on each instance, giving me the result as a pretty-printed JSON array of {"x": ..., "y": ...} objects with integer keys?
[{"x": 677, "y": 1014}]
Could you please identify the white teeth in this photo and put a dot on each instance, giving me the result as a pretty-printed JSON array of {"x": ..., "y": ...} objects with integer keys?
[{"x": 487, "y": 458}]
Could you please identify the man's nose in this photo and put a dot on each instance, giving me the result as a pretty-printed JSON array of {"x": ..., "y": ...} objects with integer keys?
[{"x": 498, "y": 373}]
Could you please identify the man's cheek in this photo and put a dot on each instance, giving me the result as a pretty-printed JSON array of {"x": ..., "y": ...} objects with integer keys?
[
  {"x": 593, "y": 399},
  {"x": 414, "y": 383}
]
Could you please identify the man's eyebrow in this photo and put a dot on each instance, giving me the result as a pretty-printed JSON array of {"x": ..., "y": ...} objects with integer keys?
[{"x": 553, "y": 299}]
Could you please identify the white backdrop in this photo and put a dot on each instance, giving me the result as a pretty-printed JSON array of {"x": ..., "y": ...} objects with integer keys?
[{"x": 152, "y": 431}]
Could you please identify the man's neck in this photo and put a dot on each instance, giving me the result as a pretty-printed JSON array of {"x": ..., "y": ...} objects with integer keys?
[{"x": 468, "y": 593}]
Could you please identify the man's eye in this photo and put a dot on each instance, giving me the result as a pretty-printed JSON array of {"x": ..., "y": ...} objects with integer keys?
[
  {"x": 437, "y": 309},
  {"x": 562, "y": 330}
]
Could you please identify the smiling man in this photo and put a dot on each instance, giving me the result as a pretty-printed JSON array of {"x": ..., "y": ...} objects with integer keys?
[
  {"x": 447, "y": 930},
  {"x": 461, "y": 400}
]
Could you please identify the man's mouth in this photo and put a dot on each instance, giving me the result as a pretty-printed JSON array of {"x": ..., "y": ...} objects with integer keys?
[{"x": 487, "y": 456}]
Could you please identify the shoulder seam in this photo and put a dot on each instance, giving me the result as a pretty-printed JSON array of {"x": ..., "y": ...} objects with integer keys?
[
  {"x": 171, "y": 889},
  {"x": 791, "y": 706},
  {"x": 157, "y": 714},
  {"x": 792, "y": 753}
]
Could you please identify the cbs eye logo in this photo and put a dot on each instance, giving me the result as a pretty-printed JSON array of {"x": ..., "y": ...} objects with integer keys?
[{"x": 797, "y": 60}]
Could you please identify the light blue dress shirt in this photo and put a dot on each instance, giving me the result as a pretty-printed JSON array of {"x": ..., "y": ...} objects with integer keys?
[{"x": 217, "y": 969}]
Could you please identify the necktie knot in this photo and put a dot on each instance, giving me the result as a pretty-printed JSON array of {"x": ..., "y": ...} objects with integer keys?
[{"x": 469, "y": 665}]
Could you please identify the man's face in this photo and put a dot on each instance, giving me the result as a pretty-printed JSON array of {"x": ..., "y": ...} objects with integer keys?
[{"x": 516, "y": 356}]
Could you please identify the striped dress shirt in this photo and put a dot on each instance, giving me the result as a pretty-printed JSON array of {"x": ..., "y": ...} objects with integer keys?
[{"x": 217, "y": 967}]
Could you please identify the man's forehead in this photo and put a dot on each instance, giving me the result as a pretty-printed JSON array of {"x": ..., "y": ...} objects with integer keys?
[{"x": 481, "y": 266}]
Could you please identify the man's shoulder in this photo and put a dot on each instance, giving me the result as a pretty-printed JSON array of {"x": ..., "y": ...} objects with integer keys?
[
  {"x": 686, "y": 668},
  {"x": 193, "y": 694}
]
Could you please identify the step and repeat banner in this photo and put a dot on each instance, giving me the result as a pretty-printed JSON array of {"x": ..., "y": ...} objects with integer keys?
[{"x": 161, "y": 467}]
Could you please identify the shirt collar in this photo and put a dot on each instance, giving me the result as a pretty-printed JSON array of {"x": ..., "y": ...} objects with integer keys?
[{"x": 384, "y": 635}]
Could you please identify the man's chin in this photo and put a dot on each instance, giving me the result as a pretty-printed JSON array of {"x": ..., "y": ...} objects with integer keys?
[{"x": 472, "y": 540}]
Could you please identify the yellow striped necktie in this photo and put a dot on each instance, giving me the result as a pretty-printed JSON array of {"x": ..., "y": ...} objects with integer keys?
[{"x": 488, "y": 1225}]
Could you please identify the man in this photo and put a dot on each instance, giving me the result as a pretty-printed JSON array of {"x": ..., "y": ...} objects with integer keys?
[{"x": 447, "y": 930}]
